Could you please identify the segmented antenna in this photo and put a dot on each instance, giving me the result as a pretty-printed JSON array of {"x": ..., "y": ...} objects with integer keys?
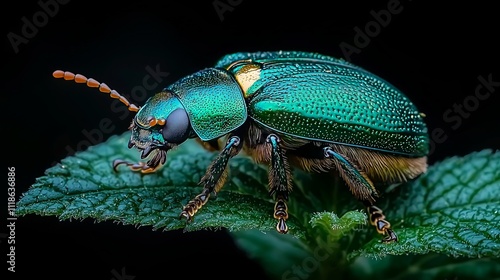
[{"x": 95, "y": 84}]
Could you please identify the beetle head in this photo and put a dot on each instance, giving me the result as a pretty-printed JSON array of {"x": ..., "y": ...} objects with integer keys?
[{"x": 160, "y": 125}]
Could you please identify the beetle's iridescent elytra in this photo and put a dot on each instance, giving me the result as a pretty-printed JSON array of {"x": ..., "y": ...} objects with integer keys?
[{"x": 285, "y": 109}]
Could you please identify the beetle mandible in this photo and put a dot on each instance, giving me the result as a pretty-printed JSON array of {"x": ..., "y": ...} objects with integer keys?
[{"x": 285, "y": 109}]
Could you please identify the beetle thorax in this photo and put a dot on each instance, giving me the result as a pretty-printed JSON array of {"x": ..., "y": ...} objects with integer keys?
[{"x": 213, "y": 100}]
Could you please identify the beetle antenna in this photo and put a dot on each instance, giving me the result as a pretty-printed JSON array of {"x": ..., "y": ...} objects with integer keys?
[{"x": 95, "y": 84}]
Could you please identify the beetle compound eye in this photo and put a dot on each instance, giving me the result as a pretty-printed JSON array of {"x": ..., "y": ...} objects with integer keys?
[{"x": 176, "y": 129}]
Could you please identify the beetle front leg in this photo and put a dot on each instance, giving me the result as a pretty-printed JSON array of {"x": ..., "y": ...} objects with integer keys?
[
  {"x": 214, "y": 178},
  {"x": 279, "y": 180},
  {"x": 135, "y": 166},
  {"x": 362, "y": 187},
  {"x": 155, "y": 163}
]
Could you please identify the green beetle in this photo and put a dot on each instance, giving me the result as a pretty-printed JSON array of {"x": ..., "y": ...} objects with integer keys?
[{"x": 284, "y": 109}]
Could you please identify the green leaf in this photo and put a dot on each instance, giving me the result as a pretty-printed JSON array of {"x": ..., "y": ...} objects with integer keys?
[
  {"x": 278, "y": 254},
  {"x": 337, "y": 227},
  {"x": 85, "y": 186},
  {"x": 286, "y": 257},
  {"x": 447, "y": 220},
  {"x": 331, "y": 246},
  {"x": 428, "y": 266},
  {"x": 452, "y": 210}
]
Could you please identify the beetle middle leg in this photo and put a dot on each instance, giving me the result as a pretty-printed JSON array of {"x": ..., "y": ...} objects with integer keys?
[
  {"x": 280, "y": 184},
  {"x": 362, "y": 187},
  {"x": 214, "y": 178}
]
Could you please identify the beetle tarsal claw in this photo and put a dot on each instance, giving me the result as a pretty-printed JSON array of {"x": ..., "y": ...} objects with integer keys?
[
  {"x": 377, "y": 219},
  {"x": 281, "y": 227},
  {"x": 190, "y": 209},
  {"x": 391, "y": 236},
  {"x": 281, "y": 213},
  {"x": 185, "y": 215}
]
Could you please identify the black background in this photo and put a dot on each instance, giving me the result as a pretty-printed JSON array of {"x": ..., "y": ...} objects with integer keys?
[{"x": 434, "y": 53}]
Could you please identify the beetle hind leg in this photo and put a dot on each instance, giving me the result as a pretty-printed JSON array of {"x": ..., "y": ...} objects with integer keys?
[
  {"x": 280, "y": 184},
  {"x": 214, "y": 178},
  {"x": 363, "y": 189}
]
